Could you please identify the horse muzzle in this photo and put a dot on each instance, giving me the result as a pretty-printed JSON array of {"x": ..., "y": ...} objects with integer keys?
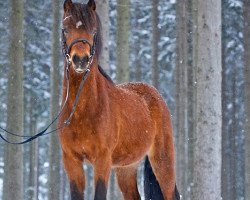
[{"x": 80, "y": 64}]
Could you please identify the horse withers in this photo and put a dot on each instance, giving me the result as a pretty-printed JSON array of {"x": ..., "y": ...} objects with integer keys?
[{"x": 112, "y": 126}]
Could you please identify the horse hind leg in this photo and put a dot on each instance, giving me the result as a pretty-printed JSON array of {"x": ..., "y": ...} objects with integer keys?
[
  {"x": 164, "y": 171},
  {"x": 127, "y": 181},
  {"x": 161, "y": 157}
]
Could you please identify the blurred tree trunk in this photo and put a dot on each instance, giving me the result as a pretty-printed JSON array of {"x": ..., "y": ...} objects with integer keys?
[
  {"x": 54, "y": 157},
  {"x": 207, "y": 152},
  {"x": 138, "y": 72},
  {"x": 137, "y": 49},
  {"x": 33, "y": 173},
  {"x": 229, "y": 119},
  {"x": 154, "y": 44},
  {"x": 33, "y": 157},
  {"x": 123, "y": 40},
  {"x": 191, "y": 92},
  {"x": 114, "y": 192},
  {"x": 233, "y": 137},
  {"x": 122, "y": 67},
  {"x": 89, "y": 190},
  {"x": 64, "y": 185},
  {"x": 181, "y": 96},
  {"x": 247, "y": 95},
  {"x": 13, "y": 168},
  {"x": 226, "y": 142},
  {"x": 103, "y": 12}
]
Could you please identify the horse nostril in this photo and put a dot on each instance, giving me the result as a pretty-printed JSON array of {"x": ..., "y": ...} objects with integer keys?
[
  {"x": 79, "y": 60},
  {"x": 85, "y": 59},
  {"x": 76, "y": 59}
]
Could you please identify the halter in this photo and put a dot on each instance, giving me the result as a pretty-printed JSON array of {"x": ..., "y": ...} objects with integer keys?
[
  {"x": 66, "y": 52},
  {"x": 67, "y": 49}
]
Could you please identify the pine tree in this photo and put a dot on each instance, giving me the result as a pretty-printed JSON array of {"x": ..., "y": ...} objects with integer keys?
[
  {"x": 13, "y": 169},
  {"x": 181, "y": 95}
]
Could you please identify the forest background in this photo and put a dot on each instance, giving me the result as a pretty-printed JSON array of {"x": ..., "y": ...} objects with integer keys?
[{"x": 197, "y": 54}]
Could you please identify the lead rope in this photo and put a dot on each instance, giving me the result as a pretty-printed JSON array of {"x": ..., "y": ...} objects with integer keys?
[
  {"x": 66, "y": 122},
  {"x": 66, "y": 52},
  {"x": 30, "y": 138}
]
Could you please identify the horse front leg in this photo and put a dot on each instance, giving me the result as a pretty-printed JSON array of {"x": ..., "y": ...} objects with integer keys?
[
  {"x": 102, "y": 168},
  {"x": 75, "y": 173}
]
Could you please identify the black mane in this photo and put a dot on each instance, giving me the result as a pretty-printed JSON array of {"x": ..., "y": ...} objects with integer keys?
[{"x": 101, "y": 70}]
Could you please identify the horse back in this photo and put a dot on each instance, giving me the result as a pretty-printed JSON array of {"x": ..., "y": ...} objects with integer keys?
[{"x": 149, "y": 94}]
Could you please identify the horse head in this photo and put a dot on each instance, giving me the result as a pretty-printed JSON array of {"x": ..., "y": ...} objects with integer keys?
[{"x": 81, "y": 34}]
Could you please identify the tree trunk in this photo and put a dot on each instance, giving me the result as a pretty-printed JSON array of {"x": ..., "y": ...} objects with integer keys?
[
  {"x": 247, "y": 95},
  {"x": 207, "y": 153},
  {"x": 233, "y": 138},
  {"x": 112, "y": 185},
  {"x": 122, "y": 66},
  {"x": 181, "y": 97},
  {"x": 55, "y": 161},
  {"x": 33, "y": 157},
  {"x": 137, "y": 49},
  {"x": 191, "y": 94},
  {"x": 154, "y": 44},
  {"x": 33, "y": 173},
  {"x": 226, "y": 142},
  {"x": 138, "y": 69},
  {"x": 122, "y": 40},
  {"x": 103, "y": 12},
  {"x": 13, "y": 169},
  {"x": 64, "y": 186},
  {"x": 89, "y": 189}
]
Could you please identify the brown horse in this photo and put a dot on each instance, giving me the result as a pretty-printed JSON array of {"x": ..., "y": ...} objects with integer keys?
[{"x": 113, "y": 126}]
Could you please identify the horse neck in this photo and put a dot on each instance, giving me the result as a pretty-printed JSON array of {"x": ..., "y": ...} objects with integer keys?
[{"x": 92, "y": 91}]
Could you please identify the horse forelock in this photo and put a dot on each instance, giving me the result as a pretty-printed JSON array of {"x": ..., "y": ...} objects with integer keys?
[{"x": 88, "y": 20}]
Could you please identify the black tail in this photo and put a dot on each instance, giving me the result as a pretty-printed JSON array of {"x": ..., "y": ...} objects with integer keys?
[
  {"x": 177, "y": 194},
  {"x": 152, "y": 188}
]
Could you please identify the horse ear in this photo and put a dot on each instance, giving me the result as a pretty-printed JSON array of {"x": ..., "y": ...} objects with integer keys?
[
  {"x": 92, "y": 4},
  {"x": 67, "y": 5}
]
